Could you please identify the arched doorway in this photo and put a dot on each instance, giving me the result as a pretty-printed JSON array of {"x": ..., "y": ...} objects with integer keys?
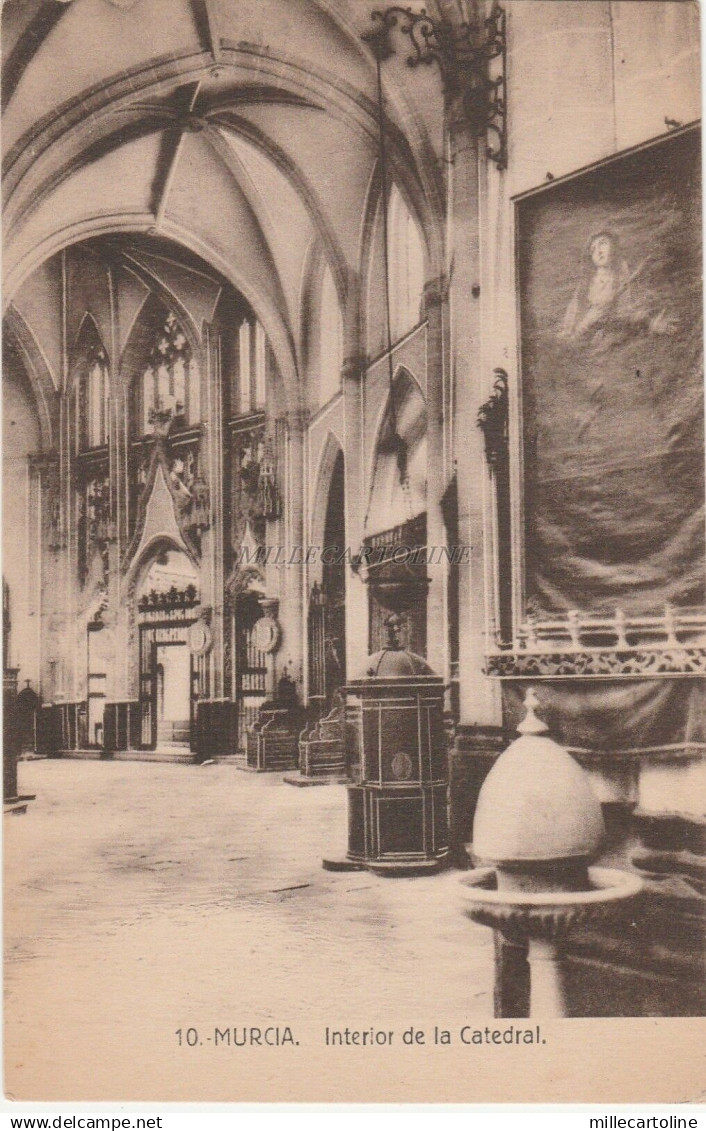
[
  {"x": 327, "y": 606},
  {"x": 170, "y": 674}
]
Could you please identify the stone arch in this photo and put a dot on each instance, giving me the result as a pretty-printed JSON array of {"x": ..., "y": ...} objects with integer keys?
[
  {"x": 88, "y": 338},
  {"x": 273, "y": 322},
  {"x": 410, "y": 415},
  {"x": 330, "y": 453},
  {"x": 428, "y": 225},
  {"x": 140, "y": 566},
  {"x": 154, "y": 309},
  {"x": 170, "y": 300},
  {"x": 143, "y": 333},
  {"x": 132, "y": 581},
  {"x": 19, "y": 336},
  {"x": 316, "y": 268}
]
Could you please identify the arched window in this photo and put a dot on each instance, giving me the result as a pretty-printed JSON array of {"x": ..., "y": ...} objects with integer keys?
[
  {"x": 170, "y": 385},
  {"x": 406, "y": 257},
  {"x": 97, "y": 400},
  {"x": 253, "y": 354},
  {"x": 391, "y": 502},
  {"x": 90, "y": 389},
  {"x": 330, "y": 340}
]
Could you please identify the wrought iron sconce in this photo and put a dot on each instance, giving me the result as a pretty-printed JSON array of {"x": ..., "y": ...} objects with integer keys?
[
  {"x": 493, "y": 420},
  {"x": 464, "y": 55}
]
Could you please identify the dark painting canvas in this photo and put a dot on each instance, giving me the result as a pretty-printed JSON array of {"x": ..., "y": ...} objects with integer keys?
[{"x": 610, "y": 279}]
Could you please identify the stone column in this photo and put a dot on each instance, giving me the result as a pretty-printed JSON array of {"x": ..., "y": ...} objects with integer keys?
[
  {"x": 43, "y": 469},
  {"x": 212, "y": 579},
  {"x": 356, "y": 493},
  {"x": 67, "y": 579},
  {"x": 115, "y": 618},
  {"x": 478, "y": 735},
  {"x": 546, "y": 979},
  {"x": 479, "y": 696},
  {"x": 270, "y": 608},
  {"x": 437, "y": 477},
  {"x": 291, "y": 654},
  {"x": 32, "y": 646}
]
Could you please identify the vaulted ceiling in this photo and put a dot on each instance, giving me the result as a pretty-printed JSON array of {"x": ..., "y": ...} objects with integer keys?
[{"x": 245, "y": 131}]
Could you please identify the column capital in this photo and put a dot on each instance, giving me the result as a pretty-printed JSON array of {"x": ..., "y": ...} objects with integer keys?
[
  {"x": 436, "y": 292},
  {"x": 43, "y": 461},
  {"x": 297, "y": 420},
  {"x": 354, "y": 366}
]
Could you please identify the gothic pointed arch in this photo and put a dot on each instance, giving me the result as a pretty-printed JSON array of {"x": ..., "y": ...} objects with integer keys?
[
  {"x": 160, "y": 514},
  {"x": 393, "y": 499},
  {"x": 18, "y": 337},
  {"x": 326, "y": 628},
  {"x": 409, "y": 257},
  {"x": 160, "y": 369},
  {"x": 322, "y": 327},
  {"x": 89, "y": 387},
  {"x": 331, "y": 453},
  {"x": 170, "y": 300}
]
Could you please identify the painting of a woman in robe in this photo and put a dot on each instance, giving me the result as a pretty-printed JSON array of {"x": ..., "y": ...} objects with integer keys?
[{"x": 611, "y": 303}]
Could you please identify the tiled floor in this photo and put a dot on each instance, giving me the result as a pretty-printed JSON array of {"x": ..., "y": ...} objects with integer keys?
[{"x": 145, "y": 898}]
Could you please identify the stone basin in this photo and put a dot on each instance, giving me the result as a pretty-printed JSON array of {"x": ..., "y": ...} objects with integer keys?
[
  {"x": 607, "y": 886},
  {"x": 542, "y": 919}
]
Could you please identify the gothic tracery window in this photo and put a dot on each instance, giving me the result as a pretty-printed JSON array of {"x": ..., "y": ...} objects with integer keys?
[
  {"x": 90, "y": 392},
  {"x": 252, "y": 379},
  {"x": 170, "y": 381},
  {"x": 97, "y": 394}
]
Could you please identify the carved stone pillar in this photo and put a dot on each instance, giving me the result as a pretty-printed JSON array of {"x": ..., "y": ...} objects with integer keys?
[
  {"x": 116, "y": 613},
  {"x": 67, "y": 541},
  {"x": 292, "y": 613},
  {"x": 479, "y": 697},
  {"x": 353, "y": 374},
  {"x": 211, "y": 460},
  {"x": 46, "y": 542},
  {"x": 435, "y": 296},
  {"x": 270, "y": 608}
]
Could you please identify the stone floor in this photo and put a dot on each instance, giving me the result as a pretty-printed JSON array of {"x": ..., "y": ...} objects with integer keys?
[{"x": 145, "y": 898}]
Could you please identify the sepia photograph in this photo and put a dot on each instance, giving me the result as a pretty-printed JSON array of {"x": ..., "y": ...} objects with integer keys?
[{"x": 353, "y": 552}]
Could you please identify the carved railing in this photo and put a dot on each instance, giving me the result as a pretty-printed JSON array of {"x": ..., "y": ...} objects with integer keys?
[
  {"x": 168, "y": 600},
  {"x": 578, "y": 644}
]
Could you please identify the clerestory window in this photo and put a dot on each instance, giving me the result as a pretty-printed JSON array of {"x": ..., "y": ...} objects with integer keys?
[{"x": 171, "y": 381}]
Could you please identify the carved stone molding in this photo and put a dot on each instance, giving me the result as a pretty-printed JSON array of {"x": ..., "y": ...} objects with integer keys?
[{"x": 597, "y": 663}]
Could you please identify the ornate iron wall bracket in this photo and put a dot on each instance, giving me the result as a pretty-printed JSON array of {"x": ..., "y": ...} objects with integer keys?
[
  {"x": 471, "y": 59},
  {"x": 493, "y": 421}
]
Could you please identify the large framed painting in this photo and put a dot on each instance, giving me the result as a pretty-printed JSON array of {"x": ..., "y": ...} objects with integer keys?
[{"x": 609, "y": 266}]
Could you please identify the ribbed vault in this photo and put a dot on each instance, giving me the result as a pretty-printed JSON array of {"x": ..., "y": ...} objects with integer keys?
[{"x": 247, "y": 133}]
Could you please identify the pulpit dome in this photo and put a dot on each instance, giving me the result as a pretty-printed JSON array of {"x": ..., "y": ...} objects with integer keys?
[{"x": 393, "y": 661}]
